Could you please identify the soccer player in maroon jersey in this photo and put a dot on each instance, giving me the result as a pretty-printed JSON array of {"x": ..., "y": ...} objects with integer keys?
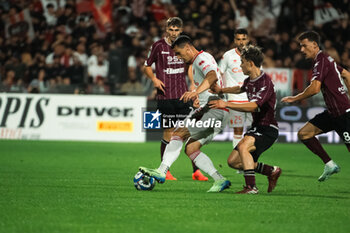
[
  {"x": 170, "y": 81},
  {"x": 264, "y": 130},
  {"x": 328, "y": 77}
]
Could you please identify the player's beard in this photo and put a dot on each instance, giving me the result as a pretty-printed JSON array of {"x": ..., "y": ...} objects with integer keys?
[{"x": 172, "y": 39}]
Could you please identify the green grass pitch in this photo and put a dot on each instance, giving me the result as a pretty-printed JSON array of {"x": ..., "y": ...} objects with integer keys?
[{"x": 87, "y": 187}]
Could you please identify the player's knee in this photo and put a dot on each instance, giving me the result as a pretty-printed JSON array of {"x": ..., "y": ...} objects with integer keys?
[
  {"x": 233, "y": 163},
  {"x": 189, "y": 149},
  {"x": 303, "y": 134}
]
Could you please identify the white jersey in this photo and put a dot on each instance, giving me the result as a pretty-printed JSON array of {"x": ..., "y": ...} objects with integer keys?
[
  {"x": 203, "y": 63},
  {"x": 230, "y": 66}
]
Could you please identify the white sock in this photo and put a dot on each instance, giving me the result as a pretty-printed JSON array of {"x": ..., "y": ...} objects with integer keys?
[
  {"x": 331, "y": 163},
  {"x": 171, "y": 153},
  {"x": 204, "y": 163},
  {"x": 163, "y": 168},
  {"x": 236, "y": 139}
]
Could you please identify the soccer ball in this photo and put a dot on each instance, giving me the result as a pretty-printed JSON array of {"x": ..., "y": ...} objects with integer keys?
[{"x": 144, "y": 182}]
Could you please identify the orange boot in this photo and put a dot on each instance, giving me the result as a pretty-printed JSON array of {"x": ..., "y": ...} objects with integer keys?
[
  {"x": 169, "y": 176},
  {"x": 197, "y": 175}
]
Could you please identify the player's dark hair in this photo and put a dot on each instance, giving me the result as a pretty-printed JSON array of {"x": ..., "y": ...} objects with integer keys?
[
  {"x": 174, "y": 21},
  {"x": 181, "y": 41},
  {"x": 254, "y": 54},
  {"x": 241, "y": 31},
  {"x": 311, "y": 36}
]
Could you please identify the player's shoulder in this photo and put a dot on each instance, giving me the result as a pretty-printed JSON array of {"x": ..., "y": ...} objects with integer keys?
[
  {"x": 323, "y": 56},
  {"x": 158, "y": 43},
  {"x": 267, "y": 78},
  {"x": 230, "y": 52},
  {"x": 199, "y": 57},
  {"x": 204, "y": 58}
]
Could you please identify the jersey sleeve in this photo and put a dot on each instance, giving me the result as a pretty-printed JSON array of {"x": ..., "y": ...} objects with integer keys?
[
  {"x": 206, "y": 64},
  {"x": 263, "y": 94},
  {"x": 318, "y": 70},
  {"x": 243, "y": 87},
  {"x": 223, "y": 64},
  {"x": 340, "y": 69},
  {"x": 152, "y": 56}
]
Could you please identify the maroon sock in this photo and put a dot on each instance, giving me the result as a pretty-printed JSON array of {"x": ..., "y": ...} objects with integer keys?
[
  {"x": 315, "y": 146},
  {"x": 195, "y": 168},
  {"x": 249, "y": 176},
  {"x": 163, "y": 145},
  {"x": 264, "y": 169}
]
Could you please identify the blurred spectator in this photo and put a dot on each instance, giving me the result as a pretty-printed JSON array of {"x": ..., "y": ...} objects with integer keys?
[
  {"x": 38, "y": 85},
  {"x": 58, "y": 51},
  {"x": 241, "y": 18},
  {"x": 328, "y": 47},
  {"x": 99, "y": 87},
  {"x": 64, "y": 86},
  {"x": 98, "y": 70},
  {"x": 76, "y": 72},
  {"x": 158, "y": 11},
  {"x": 80, "y": 54},
  {"x": 55, "y": 70},
  {"x": 50, "y": 15},
  {"x": 63, "y": 32},
  {"x": 8, "y": 81},
  {"x": 132, "y": 86}
]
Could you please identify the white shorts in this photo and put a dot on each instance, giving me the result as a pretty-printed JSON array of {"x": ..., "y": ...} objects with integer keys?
[
  {"x": 205, "y": 134},
  {"x": 239, "y": 119}
]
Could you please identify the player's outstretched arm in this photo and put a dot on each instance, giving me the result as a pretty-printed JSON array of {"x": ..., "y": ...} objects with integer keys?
[
  {"x": 215, "y": 89},
  {"x": 242, "y": 107},
  {"x": 190, "y": 78},
  {"x": 232, "y": 90},
  {"x": 346, "y": 76},
  {"x": 312, "y": 89}
]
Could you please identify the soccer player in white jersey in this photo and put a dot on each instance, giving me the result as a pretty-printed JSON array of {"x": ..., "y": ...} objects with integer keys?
[
  {"x": 230, "y": 66},
  {"x": 208, "y": 122}
]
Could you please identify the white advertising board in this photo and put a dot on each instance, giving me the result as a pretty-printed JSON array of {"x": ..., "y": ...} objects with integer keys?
[{"x": 72, "y": 117}]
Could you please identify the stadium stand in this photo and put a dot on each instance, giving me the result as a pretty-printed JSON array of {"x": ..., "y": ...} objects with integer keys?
[{"x": 49, "y": 46}]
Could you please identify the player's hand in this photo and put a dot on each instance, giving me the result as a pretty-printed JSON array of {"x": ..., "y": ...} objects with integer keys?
[
  {"x": 158, "y": 84},
  {"x": 288, "y": 99},
  {"x": 215, "y": 89},
  {"x": 217, "y": 104},
  {"x": 192, "y": 87},
  {"x": 196, "y": 103},
  {"x": 187, "y": 96}
]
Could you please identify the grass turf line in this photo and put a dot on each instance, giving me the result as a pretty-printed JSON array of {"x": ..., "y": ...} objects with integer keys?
[{"x": 87, "y": 187}]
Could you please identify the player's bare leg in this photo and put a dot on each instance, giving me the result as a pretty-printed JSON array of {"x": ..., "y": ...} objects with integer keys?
[
  {"x": 245, "y": 146},
  {"x": 272, "y": 172},
  {"x": 234, "y": 160},
  {"x": 307, "y": 135}
]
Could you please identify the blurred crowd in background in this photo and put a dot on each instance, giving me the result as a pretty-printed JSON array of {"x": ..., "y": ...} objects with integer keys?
[{"x": 99, "y": 46}]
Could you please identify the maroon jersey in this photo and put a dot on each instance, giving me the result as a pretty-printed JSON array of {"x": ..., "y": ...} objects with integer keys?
[
  {"x": 169, "y": 69},
  {"x": 261, "y": 91},
  {"x": 327, "y": 72}
]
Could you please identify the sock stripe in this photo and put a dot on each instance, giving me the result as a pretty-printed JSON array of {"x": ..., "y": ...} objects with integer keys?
[
  {"x": 194, "y": 155},
  {"x": 249, "y": 172},
  {"x": 178, "y": 138},
  {"x": 164, "y": 141}
]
